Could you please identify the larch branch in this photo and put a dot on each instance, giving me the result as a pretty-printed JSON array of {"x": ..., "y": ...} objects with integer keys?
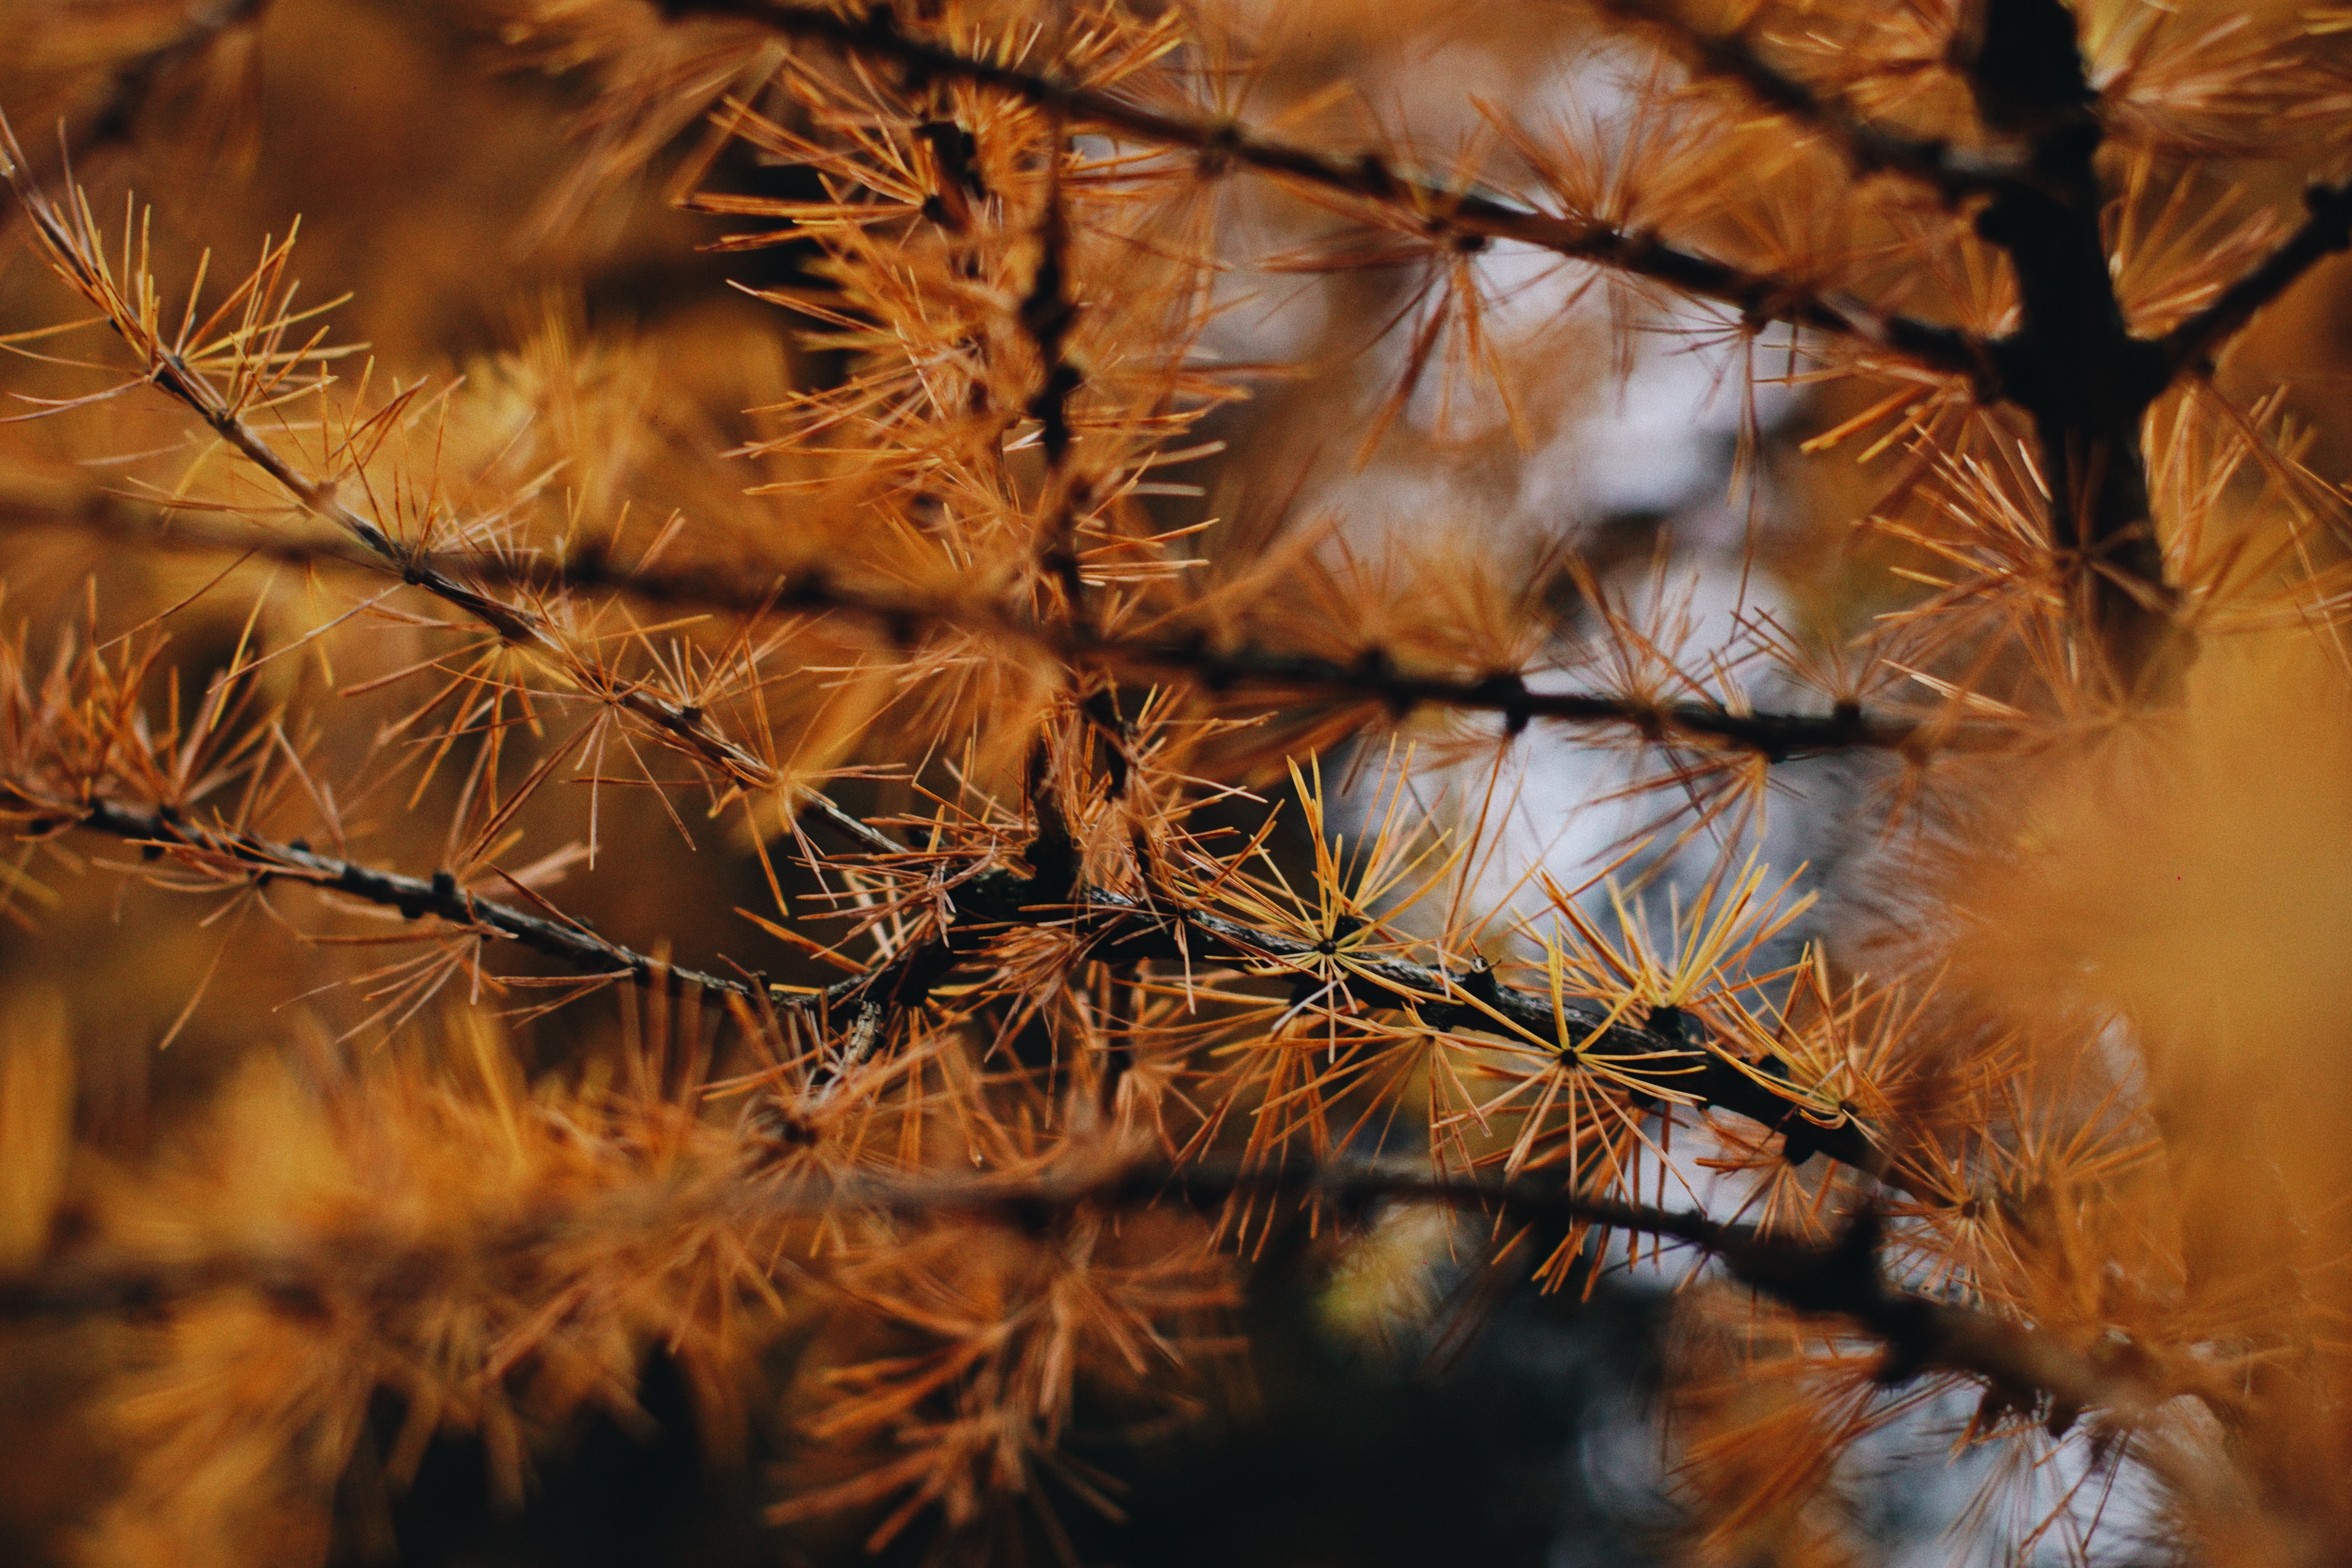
[
  {"x": 2326, "y": 230},
  {"x": 1954, "y": 172},
  {"x": 1842, "y": 1279},
  {"x": 1437, "y": 209},
  {"x": 1375, "y": 675},
  {"x": 684, "y": 726},
  {"x": 564, "y": 938},
  {"x": 1114, "y": 927}
]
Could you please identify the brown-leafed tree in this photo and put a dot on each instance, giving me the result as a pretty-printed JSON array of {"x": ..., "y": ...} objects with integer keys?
[{"x": 910, "y": 686}]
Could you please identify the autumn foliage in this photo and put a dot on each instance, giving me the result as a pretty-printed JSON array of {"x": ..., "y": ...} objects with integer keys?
[{"x": 909, "y": 689}]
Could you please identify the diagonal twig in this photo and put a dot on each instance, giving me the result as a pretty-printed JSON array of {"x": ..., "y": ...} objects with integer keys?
[
  {"x": 566, "y": 939},
  {"x": 1437, "y": 209},
  {"x": 2327, "y": 231},
  {"x": 1953, "y": 171}
]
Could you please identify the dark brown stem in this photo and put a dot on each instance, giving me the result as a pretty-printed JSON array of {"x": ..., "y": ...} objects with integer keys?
[
  {"x": 2327, "y": 231},
  {"x": 1842, "y": 1279},
  {"x": 440, "y": 896},
  {"x": 1953, "y": 172},
  {"x": 1374, "y": 676},
  {"x": 2073, "y": 365},
  {"x": 1117, "y": 929},
  {"x": 1436, "y": 209},
  {"x": 1120, "y": 929}
]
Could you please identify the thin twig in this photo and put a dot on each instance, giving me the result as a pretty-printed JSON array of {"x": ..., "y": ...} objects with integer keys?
[
  {"x": 1114, "y": 927},
  {"x": 1191, "y": 654},
  {"x": 568, "y": 940},
  {"x": 1842, "y": 1279},
  {"x": 1953, "y": 171},
  {"x": 1440, "y": 210},
  {"x": 2327, "y": 231},
  {"x": 684, "y": 726}
]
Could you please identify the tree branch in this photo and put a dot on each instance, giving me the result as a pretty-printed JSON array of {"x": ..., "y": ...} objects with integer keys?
[
  {"x": 2327, "y": 231},
  {"x": 558, "y": 937},
  {"x": 685, "y": 727},
  {"x": 1438, "y": 210},
  {"x": 1117, "y": 930},
  {"x": 2074, "y": 364},
  {"x": 1671, "y": 1045},
  {"x": 1842, "y": 1279},
  {"x": 1953, "y": 172},
  {"x": 1375, "y": 675}
]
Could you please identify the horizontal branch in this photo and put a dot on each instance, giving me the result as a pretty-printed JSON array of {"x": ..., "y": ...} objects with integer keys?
[
  {"x": 1375, "y": 675},
  {"x": 1440, "y": 210},
  {"x": 1114, "y": 927},
  {"x": 1670, "y": 1046},
  {"x": 1842, "y": 1279},
  {"x": 2327, "y": 231}
]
